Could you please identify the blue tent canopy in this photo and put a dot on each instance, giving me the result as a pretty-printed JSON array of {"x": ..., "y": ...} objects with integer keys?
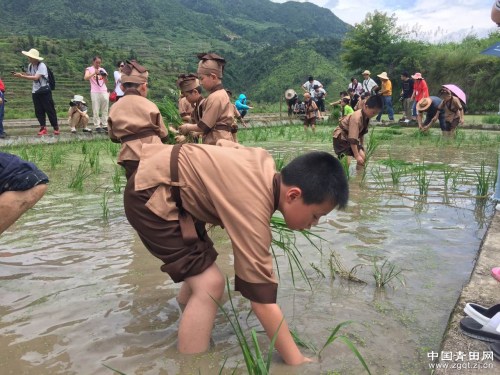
[{"x": 494, "y": 50}]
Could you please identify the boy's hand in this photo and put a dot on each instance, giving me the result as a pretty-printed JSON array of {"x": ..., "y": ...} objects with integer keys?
[
  {"x": 360, "y": 160},
  {"x": 183, "y": 129}
]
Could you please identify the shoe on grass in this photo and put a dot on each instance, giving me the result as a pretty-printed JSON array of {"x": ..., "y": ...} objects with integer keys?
[{"x": 43, "y": 131}]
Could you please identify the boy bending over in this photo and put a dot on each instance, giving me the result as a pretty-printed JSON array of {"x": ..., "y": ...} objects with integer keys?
[{"x": 177, "y": 189}]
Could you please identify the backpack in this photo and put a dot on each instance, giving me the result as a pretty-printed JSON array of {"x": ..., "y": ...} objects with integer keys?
[{"x": 52, "y": 79}]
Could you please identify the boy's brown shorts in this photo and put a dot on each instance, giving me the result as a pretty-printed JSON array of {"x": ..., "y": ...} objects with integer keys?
[
  {"x": 164, "y": 239},
  {"x": 310, "y": 121}
]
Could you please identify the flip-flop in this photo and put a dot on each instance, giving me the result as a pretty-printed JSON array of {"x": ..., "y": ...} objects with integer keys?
[
  {"x": 495, "y": 272},
  {"x": 495, "y": 348},
  {"x": 481, "y": 314},
  {"x": 472, "y": 328}
]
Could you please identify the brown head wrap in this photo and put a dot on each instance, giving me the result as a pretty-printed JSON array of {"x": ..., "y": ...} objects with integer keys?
[
  {"x": 134, "y": 72},
  {"x": 187, "y": 82},
  {"x": 211, "y": 63}
]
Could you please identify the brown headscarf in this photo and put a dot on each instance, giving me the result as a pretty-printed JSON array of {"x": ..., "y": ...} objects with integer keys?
[
  {"x": 211, "y": 63},
  {"x": 187, "y": 82},
  {"x": 134, "y": 72}
]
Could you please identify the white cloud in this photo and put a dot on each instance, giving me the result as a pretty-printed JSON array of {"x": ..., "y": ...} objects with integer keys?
[{"x": 435, "y": 19}]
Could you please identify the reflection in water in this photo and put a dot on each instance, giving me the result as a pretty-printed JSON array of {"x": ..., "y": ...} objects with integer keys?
[{"x": 78, "y": 292}]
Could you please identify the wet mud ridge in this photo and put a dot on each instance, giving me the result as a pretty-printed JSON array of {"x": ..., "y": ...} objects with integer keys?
[{"x": 483, "y": 290}]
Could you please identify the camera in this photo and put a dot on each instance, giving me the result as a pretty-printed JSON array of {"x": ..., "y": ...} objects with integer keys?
[
  {"x": 102, "y": 73},
  {"x": 72, "y": 104}
]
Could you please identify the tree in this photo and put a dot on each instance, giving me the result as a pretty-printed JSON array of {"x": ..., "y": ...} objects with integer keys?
[{"x": 372, "y": 44}]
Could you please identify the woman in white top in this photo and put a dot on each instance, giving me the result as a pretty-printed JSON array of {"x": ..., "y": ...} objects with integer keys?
[{"x": 118, "y": 79}]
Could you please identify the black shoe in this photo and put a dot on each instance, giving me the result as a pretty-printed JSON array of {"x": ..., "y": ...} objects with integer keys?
[
  {"x": 98, "y": 130},
  {"x": 3, "y": 135},
  {"x": 87, "y": 130}
]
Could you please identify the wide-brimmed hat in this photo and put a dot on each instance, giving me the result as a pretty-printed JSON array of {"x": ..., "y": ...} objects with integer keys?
[
  {"x": 33, "y": 53},
  {"x": 290, "y": 93},
  {"x": 417, "y": 76},
  {"x": 78, "y": 98},
  {"x": 423, "y": 104},
  {"x": 366, "y": 72},
  {"x": 383, "y": 75}
]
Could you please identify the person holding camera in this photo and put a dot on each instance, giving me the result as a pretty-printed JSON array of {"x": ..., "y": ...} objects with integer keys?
[
  {"x": 98, "y": 78},
  {"x": 77, "y": 114},
  {"x": 41, "y": 93}
]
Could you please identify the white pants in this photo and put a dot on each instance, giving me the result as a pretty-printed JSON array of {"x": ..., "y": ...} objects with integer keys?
[{"x": 100, "y": 104}]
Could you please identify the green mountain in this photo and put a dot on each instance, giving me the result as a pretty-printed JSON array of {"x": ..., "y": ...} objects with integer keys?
[{"x": 269, "y": 46}]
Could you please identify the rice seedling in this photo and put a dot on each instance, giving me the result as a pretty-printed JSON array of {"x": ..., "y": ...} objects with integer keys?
[
  {"x": 423, "y": 180},
  {"x": 483, "y": 181},
  {"x": 169, "y": 111},
  {"x": 80, "y": 175},
  {"x": 302, "y": 343},
  {"x": 385, "y": 273},
  {"x": 94, "y": 159},
  {"x": 338, "y": 268},
  {"x": 371, "y": 146},
  {"x": 256, "y": 364},
  {"x": 335, "y": 336},
  {"x": 397, "y": 171},
  {"x": 113, "y": 149},
  {"x": 55, "y": 156},
  {"x": 104, "y": 205},
  {"x": 284, "y": 238},
  {"x": 379, "y": 177},
  {"x": 318, "y": 270},
  {"x": 115, "y": 370},
  {"x": 344, "y": 161},
  {"x": 117, "y": 179},
  {"x": 279, "y": 161}
]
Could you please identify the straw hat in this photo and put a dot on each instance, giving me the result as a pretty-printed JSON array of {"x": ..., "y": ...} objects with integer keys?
[
  {"x": 290, "y": 93},
  {"x": 423, "y": 104},
  {"x": 417, "y": 76},
  {"x": 78, "y": 98},
  {"x": 383, "y": 75},
  {"x": 33, "y": 53},
  {"x": 366, "y": 72}
]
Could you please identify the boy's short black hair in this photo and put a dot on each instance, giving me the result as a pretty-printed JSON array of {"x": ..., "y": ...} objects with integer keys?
[
  {"x": 364, "y": 94},
  {"x": 344, "y": 93},
  {"x": 346, "y": 100},
  {"x": 350, "y": 89},
  {"x": 374, "y": 101},
  {"x": 320, "y": 176},
  {"x": 131, "y": 85},
  {"x": 405, "y": 73},
  {"x": 311, "y": 78}
]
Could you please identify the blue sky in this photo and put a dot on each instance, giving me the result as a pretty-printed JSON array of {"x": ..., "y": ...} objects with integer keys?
[{"x": 431, "y": 20}]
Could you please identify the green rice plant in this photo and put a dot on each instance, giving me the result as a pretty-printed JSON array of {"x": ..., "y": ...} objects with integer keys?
[
  {"x": 491, "y": 119},
  {"x": 423, "y": 179},
  {"x": 256, "y": 363},
  {"x": 338, "y": 268},
  {"x": 113, "y": 149},
  {"x": 169, "y": 111},
  {"x": 279, "y": 160},
  {"x": 385, "y": 273},
  {"x": 85, "y": 147},
  {"x": 318, "y": 270},
  {"x": 371, "y": 146},
  {"x": 117, "y": 179},
  {"x": 379, "y": 177},
  {"x": 397, "y": 172},
  {"x": 483, "y": 181},
  {"x": 32, "y": 153},
  {"x": 344, "y": 162},
  {"x": 335, "y": 336},
  {"x": 284, "y": 238},
  {"x": 104, "y": 205},
  {"x": 79, "y": 176},
  {"x": 94, "y": 159},
  {"x": 302, "y": 343},
  {"x": 55, "y": 157}
]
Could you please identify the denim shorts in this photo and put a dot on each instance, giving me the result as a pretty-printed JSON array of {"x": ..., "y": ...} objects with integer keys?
[{"x": 19, "y": 175}]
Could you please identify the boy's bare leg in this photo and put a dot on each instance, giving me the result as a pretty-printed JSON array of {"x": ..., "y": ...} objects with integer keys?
[
  {"x": 183, "y": 296},
  {"x": 198, "y": 318},
  {"x": 14, "y": 203}
]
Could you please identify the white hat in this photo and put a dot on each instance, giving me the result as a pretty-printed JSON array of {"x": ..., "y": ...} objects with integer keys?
[
  {"x": 383, "y": 75},
  {"x": 33, "y": 53},
  {"x": 78, "y": 98},
  {"x": 290, "y": 93}
]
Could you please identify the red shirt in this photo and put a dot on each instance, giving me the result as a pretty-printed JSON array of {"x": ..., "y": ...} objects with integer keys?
[
  {"x": 2, "y": 86},
  {"x": 420, "y": 89}
]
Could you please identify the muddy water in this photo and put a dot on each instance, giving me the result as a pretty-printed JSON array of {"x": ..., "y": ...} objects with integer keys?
[{"x": 78, "y": 293}]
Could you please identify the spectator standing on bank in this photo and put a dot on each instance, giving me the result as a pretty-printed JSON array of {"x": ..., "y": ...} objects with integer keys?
[
  {"x": 420, "y": 91},
  {"x": 40, "y": 92},
  {"x": 319, "y": 95},
  {"x": 386, "y": 93},
  {"x": 406, "y": 96},
  {"x": 355, "y": 86},
  {"x": 98, "y": 77},
  {"x": 309, "y": 85},
  {"x": 118, "y": 79},
  {"x": 369, "y": 85}
]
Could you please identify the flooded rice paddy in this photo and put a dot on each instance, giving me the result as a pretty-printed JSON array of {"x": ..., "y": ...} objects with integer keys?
[{"x": 79, "y": 292}]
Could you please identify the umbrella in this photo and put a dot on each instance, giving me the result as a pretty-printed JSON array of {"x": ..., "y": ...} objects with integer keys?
[
  {"x": 493, "y": 50},
  {"x": 457, "y": 91}
]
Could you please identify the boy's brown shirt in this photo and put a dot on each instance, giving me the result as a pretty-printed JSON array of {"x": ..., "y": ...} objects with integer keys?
[
  {"x": 131, "y": 115},
  {"x": 452, "y": 108},
  {"x": 311, "y": 109},
  {"x": 232, "y": 186},
  {"x": 185, "y": 108},
  {"x": 217, "y": 117},
  {"x": 352, "y": 127}
]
